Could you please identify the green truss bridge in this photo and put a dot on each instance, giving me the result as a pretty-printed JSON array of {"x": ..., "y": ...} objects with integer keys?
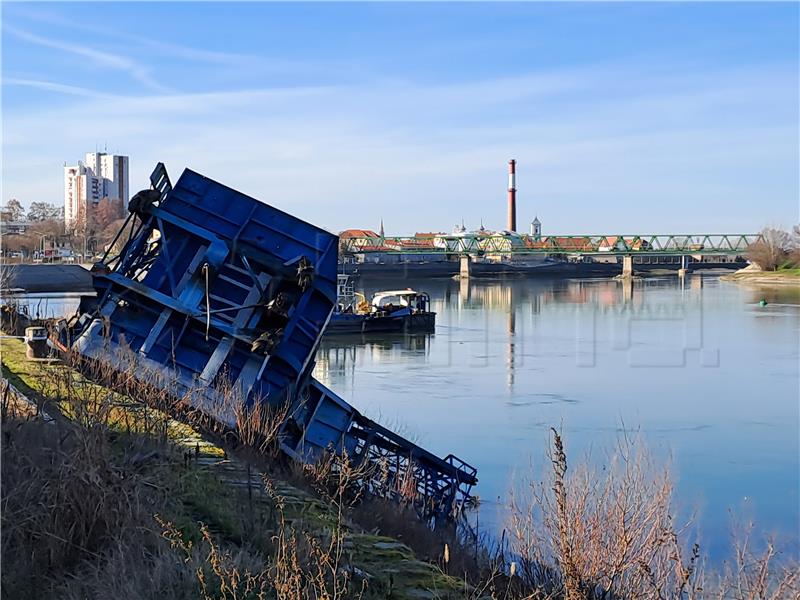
[{"x": 488, "y": 244}]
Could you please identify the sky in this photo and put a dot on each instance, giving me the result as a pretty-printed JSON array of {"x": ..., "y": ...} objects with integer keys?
[{"x": 624, "y": 118}]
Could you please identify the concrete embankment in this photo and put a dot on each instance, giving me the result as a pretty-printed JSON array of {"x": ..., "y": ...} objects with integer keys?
[{"x": 47, "y": 278}]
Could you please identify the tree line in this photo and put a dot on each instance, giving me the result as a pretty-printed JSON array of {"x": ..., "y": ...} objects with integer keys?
[
  {"x": 13, "y": 211},
  {"x": 94, "y": 229}
]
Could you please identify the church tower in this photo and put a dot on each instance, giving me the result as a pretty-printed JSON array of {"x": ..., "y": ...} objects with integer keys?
[{"x": 536, "y": 229}]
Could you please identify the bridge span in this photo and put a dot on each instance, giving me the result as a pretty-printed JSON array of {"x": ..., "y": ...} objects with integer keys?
[
  {"x": 507, "y": 243},
  {"x": 511, "y": 248}
]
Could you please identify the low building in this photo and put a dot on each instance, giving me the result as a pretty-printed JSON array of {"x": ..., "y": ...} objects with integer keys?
[
  {"x": 610, "y": 243},
  {"x": 13, "y": 227},
  {"x": 561, "y": 244},
  {"x": 357, "y": 238}
]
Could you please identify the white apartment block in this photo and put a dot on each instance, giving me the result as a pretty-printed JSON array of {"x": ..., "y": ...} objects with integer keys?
[{"x": 101, "y": 175}]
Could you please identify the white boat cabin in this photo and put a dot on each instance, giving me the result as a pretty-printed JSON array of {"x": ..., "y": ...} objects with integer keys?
[{"x": 396, "y": 299}]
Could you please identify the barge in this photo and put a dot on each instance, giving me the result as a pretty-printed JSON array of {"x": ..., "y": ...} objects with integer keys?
[
  {"x": 391, "y": 311},
  {"x": 203, "y": 302},
  {"x": 399, "y": 311}
]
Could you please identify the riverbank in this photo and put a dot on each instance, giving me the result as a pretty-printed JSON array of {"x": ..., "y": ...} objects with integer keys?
[
  {"x": 782, "y": 277},
  {"x": 174, "y": 502}
]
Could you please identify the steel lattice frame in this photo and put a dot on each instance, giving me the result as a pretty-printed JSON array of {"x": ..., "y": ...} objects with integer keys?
[{"x": 731, "y": 244}]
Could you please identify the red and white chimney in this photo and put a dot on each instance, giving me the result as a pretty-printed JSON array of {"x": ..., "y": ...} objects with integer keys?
[{"x": 512, "y": 195}]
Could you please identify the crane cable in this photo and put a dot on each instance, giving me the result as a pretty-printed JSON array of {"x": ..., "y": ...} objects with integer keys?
[{"x": 208, "y": 304}]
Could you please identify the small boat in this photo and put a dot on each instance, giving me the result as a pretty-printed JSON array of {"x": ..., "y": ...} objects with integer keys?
[{"x": 392, "y": 311}]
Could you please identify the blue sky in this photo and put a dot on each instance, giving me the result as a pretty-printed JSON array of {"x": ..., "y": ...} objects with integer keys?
[{"x": 624, "y": 118}]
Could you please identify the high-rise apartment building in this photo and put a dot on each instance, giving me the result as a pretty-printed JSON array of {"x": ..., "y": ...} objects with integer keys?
[{"x": 100, "y": 176}]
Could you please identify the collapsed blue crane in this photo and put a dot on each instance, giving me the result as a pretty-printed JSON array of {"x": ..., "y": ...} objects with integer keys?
[{"x": 214, "y": 289}]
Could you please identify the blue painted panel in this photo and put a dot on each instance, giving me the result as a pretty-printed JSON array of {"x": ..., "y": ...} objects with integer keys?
[
  {"x": 253, "y": 252},
  {"x": 216, "y": 288}
]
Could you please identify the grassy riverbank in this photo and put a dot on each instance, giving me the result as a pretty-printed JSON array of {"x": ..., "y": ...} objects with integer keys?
[{"x": 113, "y": 498}]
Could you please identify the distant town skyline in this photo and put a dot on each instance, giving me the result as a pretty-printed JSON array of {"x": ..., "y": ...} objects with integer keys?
[{"x": 623, "y": 118}]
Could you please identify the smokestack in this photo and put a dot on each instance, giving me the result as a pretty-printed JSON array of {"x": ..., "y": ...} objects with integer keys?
[{"x": 512, "y": 195}]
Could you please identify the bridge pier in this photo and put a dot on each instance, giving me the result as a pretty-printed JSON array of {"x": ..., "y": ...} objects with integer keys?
[
  {"x": 465, "y": 267},
  {"x": 682, "y": 272},
  {"x": 627, "y": 267}
]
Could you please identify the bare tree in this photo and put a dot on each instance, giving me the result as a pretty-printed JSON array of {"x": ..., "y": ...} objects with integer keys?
[
  {"x": 106, "y": 212},
  {"x": 794, "y": 246},
  {"x": 24, "y": 243},
  {"x": 772, "y": 250},
  {"x": 107, "y": 235}
]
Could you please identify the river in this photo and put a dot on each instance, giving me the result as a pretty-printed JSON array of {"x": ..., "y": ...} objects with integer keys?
[
  {"x": 700, "y": 369},
  {"x": 707, "y": 375}
]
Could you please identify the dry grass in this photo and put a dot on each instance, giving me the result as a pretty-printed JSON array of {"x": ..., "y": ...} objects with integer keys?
[
  {"x": 358, "y": 491},
  {"x": 79, "y": 498},
  {"x": 91, "y": 512},
  {"x": 757, "y": 571},
  {"x": 605, "y": 533},
  {"x": 65, "y": 501}
]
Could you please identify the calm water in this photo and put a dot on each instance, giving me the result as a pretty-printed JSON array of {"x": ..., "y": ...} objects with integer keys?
[
  {"x": 45, "y": 305},
  {"x": 707, "y": 375}
]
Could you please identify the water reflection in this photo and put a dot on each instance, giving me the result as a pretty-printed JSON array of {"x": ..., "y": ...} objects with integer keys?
[
  {"x": 336, "y": 358},
  {"x": 45, "y": 305},
  {"x": 708, "y": 375}
]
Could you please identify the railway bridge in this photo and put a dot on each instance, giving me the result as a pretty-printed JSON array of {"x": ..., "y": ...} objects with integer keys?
[{"x": 509, "y": 245}]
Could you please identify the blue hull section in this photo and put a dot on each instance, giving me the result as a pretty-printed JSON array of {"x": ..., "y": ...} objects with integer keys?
[{"x": 221, "y": 300}]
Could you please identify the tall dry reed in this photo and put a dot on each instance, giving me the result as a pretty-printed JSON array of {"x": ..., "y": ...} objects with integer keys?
[{"x": 583, "y": 532}]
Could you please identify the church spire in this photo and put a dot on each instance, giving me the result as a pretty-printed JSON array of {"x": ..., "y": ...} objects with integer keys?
[
  {"x": 536, "y": 228},
  {"x": 381, "y": 231}
]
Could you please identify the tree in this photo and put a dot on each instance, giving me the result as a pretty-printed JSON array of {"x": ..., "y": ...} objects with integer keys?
[
  {"x": 106, "y": 212},
  {"x": 83, "y": 232},
  {"x": 94, "y": 225},
  {"x": 772, "y": 250},
  {"x": 794, "y": 246},
  {"x": 18, "y": 243},
  {"x": 42, "y": 211},
  {"x": 48, "y": 227},
  {"x": 13, "y": 209},
  {"x": 109, "y": 233}
]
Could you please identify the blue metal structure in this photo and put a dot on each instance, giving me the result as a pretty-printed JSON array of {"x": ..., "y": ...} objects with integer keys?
[{"x": 214, "y": 290}]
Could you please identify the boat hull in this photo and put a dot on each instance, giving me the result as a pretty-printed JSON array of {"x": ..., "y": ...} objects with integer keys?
[{"x": 408, "y": 323}]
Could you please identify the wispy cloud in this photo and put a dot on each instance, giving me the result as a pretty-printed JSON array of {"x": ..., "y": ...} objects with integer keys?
[
  {"x": 51, "y": 86},
  {"x": 643, "y": 142},
  {"x": 99, "y": 58},
  {"x": 165, "y": 48},
  {"x": 244, "y": 64},
  {"x": 439, "y": 150}
]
